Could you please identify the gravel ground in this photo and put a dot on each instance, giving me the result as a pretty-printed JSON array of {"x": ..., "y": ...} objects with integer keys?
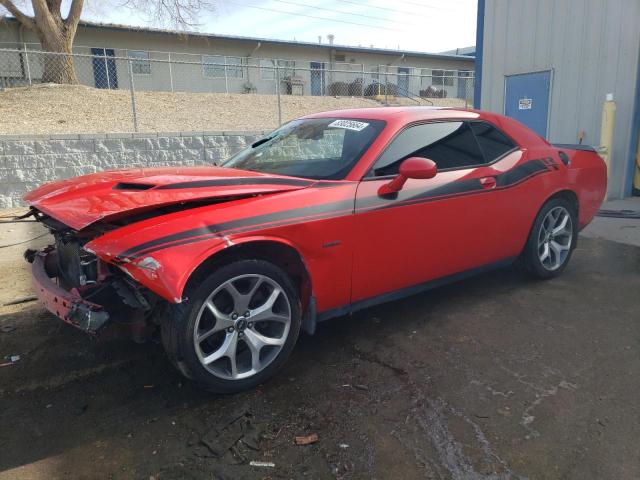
[
  {"x": 497, "y": 377},
  {"x": 49, "y": 109}
]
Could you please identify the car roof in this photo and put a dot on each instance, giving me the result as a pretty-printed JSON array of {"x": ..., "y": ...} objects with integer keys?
[{"x": 402, "y": 114}]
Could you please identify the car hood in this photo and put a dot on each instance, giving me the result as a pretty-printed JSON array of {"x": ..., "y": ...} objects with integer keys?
[{"x": 81, "y": 201}]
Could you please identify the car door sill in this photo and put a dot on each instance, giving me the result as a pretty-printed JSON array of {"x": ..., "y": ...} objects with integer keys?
[{"x": 409, "y": 291}]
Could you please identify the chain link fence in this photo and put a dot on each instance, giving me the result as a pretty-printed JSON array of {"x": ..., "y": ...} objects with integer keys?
[{"x": 275, "y": 85}]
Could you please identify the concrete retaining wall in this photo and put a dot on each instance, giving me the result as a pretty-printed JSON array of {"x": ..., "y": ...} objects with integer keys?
[{"x": 29, "y": 161}]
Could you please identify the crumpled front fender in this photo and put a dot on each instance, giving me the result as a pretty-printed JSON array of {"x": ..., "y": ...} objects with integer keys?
[{"x": 166, "y": 271}]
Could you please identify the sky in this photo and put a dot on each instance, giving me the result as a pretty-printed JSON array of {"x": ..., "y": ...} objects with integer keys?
[{"x": 418, "y": 25}]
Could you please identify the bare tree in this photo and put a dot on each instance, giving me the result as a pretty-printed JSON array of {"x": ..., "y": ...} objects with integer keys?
[{"x": 56, "y": 33}]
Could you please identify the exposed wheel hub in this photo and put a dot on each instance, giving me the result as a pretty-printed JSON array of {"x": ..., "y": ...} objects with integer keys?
[{"x": 241, "y": 324}]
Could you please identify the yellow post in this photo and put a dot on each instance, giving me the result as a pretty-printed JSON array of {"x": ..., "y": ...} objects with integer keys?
[{"x": 606, "y": 132}]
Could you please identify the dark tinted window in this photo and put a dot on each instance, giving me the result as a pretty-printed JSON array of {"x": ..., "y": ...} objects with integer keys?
[
  {"x": 449, "y": 144},
  {"x": 492, "y": 141}
]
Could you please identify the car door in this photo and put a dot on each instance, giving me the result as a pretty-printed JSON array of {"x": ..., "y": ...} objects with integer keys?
[{"x": 437, "y": 227}]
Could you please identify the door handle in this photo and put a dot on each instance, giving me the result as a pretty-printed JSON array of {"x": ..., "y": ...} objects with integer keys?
[{"x": 488, "y": 182}]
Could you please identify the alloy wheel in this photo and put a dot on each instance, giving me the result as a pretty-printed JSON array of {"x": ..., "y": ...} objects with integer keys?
[
  {"x": 555, "y": 238},
  {"x": 242, "y": 326}
]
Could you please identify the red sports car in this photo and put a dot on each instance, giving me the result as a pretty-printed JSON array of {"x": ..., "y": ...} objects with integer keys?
[{"x": 329, "y": 214}]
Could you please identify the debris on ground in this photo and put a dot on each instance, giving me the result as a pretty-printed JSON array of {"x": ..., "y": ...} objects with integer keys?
[
  {"x": 12, "y": 360},
  {"x": 251, "y": 437},
  {"x": 7, "y": 328},
  {"x": 306, "y": 439},
  {"x": 219, "y": 440},
  {"x": 255, "y": 463},
  {"x": 357, "y": 386}
]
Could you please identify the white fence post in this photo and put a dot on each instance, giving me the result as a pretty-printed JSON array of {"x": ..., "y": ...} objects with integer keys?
[
  {"x": 170, "y": 73},
  {"x": 277, "y": 67},
  {"x": 133, "y": 97},
  {"x": 226, "y": 77},
  {"x": 386, "y": 85},
  {"x": 106, "y": 68},
  {"x": 26, "y": 56}
]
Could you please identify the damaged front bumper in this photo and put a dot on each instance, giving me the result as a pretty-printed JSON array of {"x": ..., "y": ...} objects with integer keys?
[{"x": 69, "y": 306}]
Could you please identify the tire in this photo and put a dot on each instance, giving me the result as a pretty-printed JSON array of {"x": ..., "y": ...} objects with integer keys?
[
  {"x": 229, "y": 351},
  {"x": 546, "y": 254}
]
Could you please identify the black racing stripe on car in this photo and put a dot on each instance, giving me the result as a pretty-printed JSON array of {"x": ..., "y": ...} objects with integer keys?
[
  {"x": 319, "y": 212},
  {"x": 295, "y": 213},
  {"x": 417, "y": 196},
  {"x": 521, "y": 172},
  {"x": 247, "y": 228},
  {"x": 455, "y": 188},
  {"x": 228, "y": 182}
]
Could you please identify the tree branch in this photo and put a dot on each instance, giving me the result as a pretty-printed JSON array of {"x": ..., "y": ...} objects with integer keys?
[
  {"x": 21, "y": 17},
  {"x": 40, "y": 11},
  {"x": 74, "y": 14},
  {"x": 54, "y": 5}
]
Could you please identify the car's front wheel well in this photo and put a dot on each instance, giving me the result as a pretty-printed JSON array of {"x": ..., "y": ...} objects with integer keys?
[{"x": 281, "y": 255}]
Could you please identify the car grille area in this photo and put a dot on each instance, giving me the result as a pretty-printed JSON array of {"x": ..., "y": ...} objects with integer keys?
[{"x": 76, "y": 266}]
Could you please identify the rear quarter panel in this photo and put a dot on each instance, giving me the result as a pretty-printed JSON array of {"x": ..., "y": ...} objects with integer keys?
[{"x": 587, "y": 177}]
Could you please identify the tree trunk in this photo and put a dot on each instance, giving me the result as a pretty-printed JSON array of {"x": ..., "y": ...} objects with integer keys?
[{"x": 58, "y": 66}]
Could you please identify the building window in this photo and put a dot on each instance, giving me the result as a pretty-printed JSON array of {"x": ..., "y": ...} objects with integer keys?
[
  {"x": 425, "y": 77},
  {"x": 213, "y": 66},
  {"x": 234, "y": 67},
  {"x": 141, "y": 65},
  {"x": 267, "y": 70},
  {"x": 287, "y": 68},
  {"x": 374, "y": 72},
  {"x": 443, "y": 77}
]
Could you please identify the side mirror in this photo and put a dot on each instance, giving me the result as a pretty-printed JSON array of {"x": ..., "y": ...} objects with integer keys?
[{"x": 412, "y": 167}]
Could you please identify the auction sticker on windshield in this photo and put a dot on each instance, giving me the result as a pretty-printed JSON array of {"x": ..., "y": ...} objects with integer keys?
[{"x": 349, "y": 125}]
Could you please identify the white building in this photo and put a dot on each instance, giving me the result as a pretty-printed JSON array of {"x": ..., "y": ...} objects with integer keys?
[{"x": 178, "y": 61}]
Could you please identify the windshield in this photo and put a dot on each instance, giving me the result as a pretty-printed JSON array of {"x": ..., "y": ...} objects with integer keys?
[{"x": 318, "y": 148}]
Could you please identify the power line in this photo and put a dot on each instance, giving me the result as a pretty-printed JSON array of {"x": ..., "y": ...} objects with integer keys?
[
  {"x": 314, "y": 17},
  {"x": 342, "y": 12},
  {"x": 386, "y": 9},
  {"x": 417, "y": 4},
  {"x": 420, "y": 4}
]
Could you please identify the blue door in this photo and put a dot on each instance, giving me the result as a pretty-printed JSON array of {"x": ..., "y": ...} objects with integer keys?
[
  {"x": 527, "y": 99},
  {"x": 403, "y": 81},
  {"x": 104, "y": 69},
  {"x": 317, "y": 78}
]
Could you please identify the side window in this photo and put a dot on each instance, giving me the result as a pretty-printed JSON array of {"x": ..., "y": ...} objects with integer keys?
[
  {"x": 448, "y": 144},
  {"x": 493, "y": 142},
  {"x": 140, "y": 65}
]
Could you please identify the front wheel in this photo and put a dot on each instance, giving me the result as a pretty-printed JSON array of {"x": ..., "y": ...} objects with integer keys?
[
  {"x": 237, "y": 327},
  {"x": 552, "y": 239}
]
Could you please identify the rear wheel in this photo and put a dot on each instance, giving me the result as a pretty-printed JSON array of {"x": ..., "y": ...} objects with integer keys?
[
  {"x": 237, "y": 327},
  {"x": 552, "y": 239}
]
